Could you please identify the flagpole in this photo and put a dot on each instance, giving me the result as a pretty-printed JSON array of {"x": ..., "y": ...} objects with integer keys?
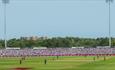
[
  {"x": 109, "y": 8},
  {"x": 5, "y": 21},
  {"x": 110, "y": 23}
]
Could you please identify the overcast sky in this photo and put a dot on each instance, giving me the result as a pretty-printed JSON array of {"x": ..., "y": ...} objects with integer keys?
[{"x": 57, "y": 18}]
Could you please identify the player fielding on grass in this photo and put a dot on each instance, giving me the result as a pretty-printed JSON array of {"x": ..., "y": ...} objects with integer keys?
[
  {"x": 97, "y": 56},
  {"x": 93, "y": 58},
  {"x": 104, "y": 58},
  {"x": 57, "y": 57},
  {"x": 45, "y": 61},
  {"x": 21, "y": 61}
]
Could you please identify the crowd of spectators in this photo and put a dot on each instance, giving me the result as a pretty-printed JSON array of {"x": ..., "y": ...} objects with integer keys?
[{"x": 57, "y": 52}]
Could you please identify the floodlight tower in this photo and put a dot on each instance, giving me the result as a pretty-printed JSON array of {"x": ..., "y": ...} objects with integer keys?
[
  {"x": 109, "y": 7},
  {"x": 5, "y": 2}
]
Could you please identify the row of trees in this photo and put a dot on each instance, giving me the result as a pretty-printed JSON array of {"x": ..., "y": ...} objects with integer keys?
[{"x": 58, "y": 42}]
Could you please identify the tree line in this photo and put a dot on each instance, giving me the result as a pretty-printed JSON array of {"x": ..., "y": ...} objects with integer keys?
[{"x": 58, "y": 42}]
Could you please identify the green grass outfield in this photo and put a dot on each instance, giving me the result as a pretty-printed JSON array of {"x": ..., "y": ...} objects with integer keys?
[{"x": 62, "y": 63}]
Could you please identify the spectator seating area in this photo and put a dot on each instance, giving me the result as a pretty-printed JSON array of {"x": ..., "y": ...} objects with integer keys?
[{"x": 57, "y": 52}]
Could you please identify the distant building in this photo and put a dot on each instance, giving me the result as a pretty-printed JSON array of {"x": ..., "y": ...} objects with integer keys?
[
  {"x": 34, "y": 38},
  {"x": 43, "y": 38}
]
